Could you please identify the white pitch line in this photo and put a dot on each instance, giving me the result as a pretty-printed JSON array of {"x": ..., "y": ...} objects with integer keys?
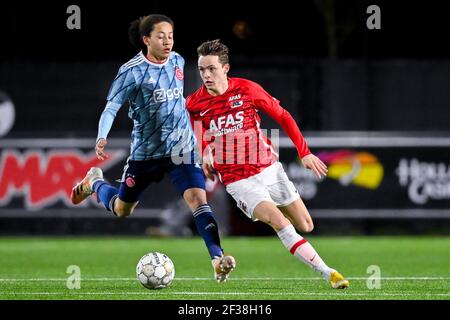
[
  {"x": 343, "y": 294},
  {"x": 231, "y": 279}
]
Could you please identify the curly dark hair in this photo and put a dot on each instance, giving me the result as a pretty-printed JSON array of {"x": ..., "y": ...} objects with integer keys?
[{"x": 143, "y": 27}]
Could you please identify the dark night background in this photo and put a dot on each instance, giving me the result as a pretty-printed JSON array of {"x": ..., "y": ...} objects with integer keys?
[
  {"x": 37, "y": 30},
  {"x": 317, "y": 57}
]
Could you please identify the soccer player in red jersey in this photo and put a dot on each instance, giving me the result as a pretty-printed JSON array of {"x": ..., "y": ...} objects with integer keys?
[{"x": 224, "y": 116}]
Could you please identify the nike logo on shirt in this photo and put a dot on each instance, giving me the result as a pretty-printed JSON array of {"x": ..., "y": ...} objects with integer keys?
[{"x": 203, "y": 113}]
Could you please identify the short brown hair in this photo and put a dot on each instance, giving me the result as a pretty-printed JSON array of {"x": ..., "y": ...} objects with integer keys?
[{"x": 214, "y": 48}]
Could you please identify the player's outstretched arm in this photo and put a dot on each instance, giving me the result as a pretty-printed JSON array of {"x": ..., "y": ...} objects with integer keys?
[
  {"x": 273, "y": 108},
  {"x": 265, "y": 102},
  {"x": 313, "y": 163},
  {"x": 104, "y": 126}
]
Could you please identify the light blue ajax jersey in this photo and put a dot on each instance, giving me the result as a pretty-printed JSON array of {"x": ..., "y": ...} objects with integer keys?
[{"x": 161, "y": 125}]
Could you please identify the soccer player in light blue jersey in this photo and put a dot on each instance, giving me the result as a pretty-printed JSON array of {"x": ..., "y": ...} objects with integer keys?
[{"x": 162, "y": 137}]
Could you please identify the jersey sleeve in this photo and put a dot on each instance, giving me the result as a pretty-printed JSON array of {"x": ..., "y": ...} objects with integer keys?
[
  {"x": 107, "y": 119},
  {"x": 265, "y": 102},
  {"x": 123, "y": 86}
]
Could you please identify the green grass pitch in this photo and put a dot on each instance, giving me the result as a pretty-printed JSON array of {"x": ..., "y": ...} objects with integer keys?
[{"x": 411, "y": 268}]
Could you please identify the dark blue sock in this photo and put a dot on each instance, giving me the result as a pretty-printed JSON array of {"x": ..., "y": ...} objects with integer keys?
[
  {"x": 207, "y": 228},
  {"x": 106, "y": 194}
]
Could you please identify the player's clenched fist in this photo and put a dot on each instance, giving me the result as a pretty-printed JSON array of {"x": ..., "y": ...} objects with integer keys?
[{"x": 100, "y": 149}]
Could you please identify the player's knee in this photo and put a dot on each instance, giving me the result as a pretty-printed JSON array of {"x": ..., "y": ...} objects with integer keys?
[
  {"x": 306, "y": 226},
  {"x": 278, "y": 221},
  {"x": 309, "y": 227},
  {"x": 194, "y": 199}
]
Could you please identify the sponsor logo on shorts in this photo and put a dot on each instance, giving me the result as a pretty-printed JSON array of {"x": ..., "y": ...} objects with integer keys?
[{"x": 242, "y": 205}]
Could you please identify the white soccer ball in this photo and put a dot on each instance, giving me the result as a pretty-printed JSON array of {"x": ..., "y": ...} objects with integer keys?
[{"x": 155, "y": 270}]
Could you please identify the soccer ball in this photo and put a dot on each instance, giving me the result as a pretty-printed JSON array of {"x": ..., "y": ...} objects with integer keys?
[{"x": 155, "y": 270}]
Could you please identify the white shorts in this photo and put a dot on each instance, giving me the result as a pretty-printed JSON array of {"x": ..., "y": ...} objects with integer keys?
[{"x": 272, "y": 184}]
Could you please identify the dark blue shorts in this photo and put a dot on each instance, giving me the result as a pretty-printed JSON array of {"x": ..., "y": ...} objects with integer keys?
[{"x": 139, "y": 174}]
